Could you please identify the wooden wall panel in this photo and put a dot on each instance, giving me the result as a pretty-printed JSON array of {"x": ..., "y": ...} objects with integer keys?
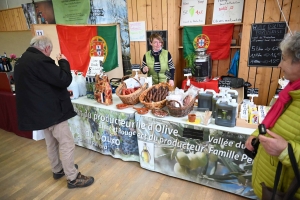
[
  {"x": 2, "y": 22},
  {"x": 12, "y": 20},
  {"x": 22, "y": 19},
  {"x": 17, "y": 21},
  {"x": 6, "y": 20},
  {"x": 275, "y": 71},
  {"x": 149, "y": 15},
  {"x": 142, "y": 6}
]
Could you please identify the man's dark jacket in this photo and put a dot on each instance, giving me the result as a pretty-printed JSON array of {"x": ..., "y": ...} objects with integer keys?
[{"x": 41, "y": 91}]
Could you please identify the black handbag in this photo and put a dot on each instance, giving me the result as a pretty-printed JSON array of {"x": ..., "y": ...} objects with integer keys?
[{"x": 272, "y": 193}]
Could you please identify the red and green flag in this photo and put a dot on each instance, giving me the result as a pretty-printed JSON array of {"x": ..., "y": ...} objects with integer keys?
[
  {"x": 80, "y": 43},
  {"x": 216, "y": 39}
]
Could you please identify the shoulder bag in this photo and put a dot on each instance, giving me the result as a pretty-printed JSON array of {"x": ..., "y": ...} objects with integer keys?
[{"x": 272, "y": 193}]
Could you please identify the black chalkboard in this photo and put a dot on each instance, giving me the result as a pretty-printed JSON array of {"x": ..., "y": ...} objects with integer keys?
[
  {"x": 164, "y": 35},
  {"x": 264, "y": 44}
]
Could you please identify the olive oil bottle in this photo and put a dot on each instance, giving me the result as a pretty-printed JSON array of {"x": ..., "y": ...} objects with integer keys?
[{"x": 145, "y": 155}]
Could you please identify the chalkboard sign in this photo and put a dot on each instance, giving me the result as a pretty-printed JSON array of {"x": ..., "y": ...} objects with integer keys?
[
  {"x": 252, "y": 91},
  {"x": 224, "y": 83},
  {"x": 264, "y": 44},
  {"x": 163, "y": 34},
  {"x": 187, "y": 72},
  {"x": 135, "y": 66}
]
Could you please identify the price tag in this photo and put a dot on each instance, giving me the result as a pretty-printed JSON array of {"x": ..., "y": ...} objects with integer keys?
[
  {"x": 224, "y": 83},
  {"x": 252, "y": 92},
  {"x": 135, "y": 67},
  {"x": 187, "y": 72},
  {"x": 168, "y": 74}
]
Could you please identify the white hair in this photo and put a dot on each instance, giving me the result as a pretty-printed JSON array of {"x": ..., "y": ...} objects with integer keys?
[
  {"x": 41, "y": 42},
  {"x": 290, "y": 46}
]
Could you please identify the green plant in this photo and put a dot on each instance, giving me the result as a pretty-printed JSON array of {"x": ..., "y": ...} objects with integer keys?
[{"x": 189, "y": 61}]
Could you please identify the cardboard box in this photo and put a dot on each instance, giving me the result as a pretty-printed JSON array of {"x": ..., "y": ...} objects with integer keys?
[
  {"x": 243, "y": 123},
  {"x": 240, "y": 94}
]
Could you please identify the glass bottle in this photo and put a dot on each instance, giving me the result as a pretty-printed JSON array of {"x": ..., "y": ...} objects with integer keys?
[{"x": 145, "y": 155}]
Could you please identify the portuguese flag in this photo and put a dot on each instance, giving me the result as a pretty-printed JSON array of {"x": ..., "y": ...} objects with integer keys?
[
  {"x": 80, "y": 43},
  {"x": 216, "y": 39}
]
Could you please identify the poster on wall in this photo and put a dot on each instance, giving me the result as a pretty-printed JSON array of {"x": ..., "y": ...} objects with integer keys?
[
  {"x": 229, "y": 11},
  {"x": 193, "y": 12},
  {"x": 71, "y": 11},
  {"x": 137, "y": 31},
  {"x": 206, "y": 156},
  {"x": 105, "y": 131},
  {"x": 29, "y": 13},
  {"x": 44, "y": 12},
  {"x": 39, "y": 13}
]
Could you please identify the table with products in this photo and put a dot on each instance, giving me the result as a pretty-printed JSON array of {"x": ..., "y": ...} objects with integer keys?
[
  {"x": 8, "y": 115},
  {"x": 208, "y": 155}
]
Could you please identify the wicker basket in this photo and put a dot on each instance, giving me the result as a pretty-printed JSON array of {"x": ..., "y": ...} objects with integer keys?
[
  {"x": 182, "y": 110},
  {"x": 133, "y": 98},
  {"x": 158, "y": 104}
]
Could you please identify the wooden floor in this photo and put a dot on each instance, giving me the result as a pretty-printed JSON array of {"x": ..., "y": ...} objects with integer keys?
[{"x": 25, "y": 173}]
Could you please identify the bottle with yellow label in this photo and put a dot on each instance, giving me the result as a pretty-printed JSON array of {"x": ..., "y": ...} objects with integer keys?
[{"x": 145, "y": 155}]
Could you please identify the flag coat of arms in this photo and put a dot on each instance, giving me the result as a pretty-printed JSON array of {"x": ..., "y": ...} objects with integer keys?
[
  {"x": 216, "y": 39},
  {"x": 80, "y": 43}
]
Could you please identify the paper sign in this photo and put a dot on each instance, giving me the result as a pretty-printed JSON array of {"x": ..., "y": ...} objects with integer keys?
[
  {"x": 39, "y": 32},
  {"x": 95, "y": 66},
  {"x": 228, "y": 11},
  {"x": 137, "y": 31},
  {"x": 193, "y": 12}
]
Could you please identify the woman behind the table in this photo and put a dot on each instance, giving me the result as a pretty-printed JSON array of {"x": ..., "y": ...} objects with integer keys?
[
  {"x": 283, "y": 125},
  {"x": 157, "y": 61}
]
